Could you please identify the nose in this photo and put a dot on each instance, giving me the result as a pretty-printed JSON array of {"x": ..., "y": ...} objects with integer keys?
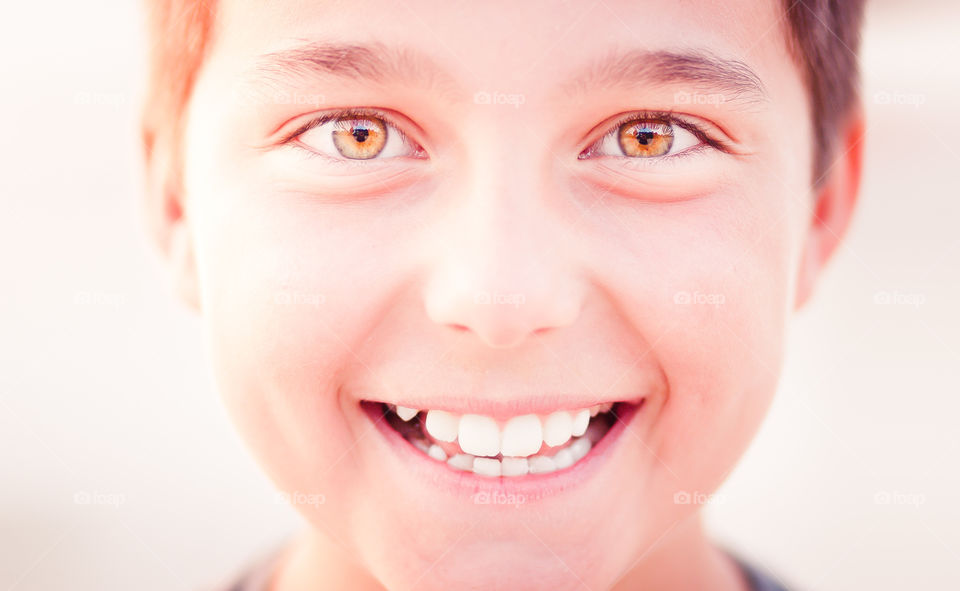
[{"x": 499, "y": 270}]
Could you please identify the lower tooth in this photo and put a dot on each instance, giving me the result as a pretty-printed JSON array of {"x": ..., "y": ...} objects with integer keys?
[
  {"x": 580, "y": 448},
  {"x": 486, "y": 466},
  {"x": 436, "y": 452},
  {"x": 563, "y": 458},
  {"x": 514, "y": 466},
  {"x": 461, "y": 462},
  {"x": 541, "y": 465}
]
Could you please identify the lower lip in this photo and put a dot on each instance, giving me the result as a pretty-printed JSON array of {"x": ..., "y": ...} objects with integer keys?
[{"x": 531, "y": 487}]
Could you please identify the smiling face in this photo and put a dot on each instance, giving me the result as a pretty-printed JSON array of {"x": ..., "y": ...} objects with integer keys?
[{"x": 498, "y": 219}]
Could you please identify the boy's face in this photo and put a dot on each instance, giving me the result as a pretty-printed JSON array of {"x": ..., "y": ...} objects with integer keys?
[{"x": 488, "y": 238}]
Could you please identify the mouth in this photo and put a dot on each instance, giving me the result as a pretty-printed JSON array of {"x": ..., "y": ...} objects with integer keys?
[{"x": 514, "y": 448}]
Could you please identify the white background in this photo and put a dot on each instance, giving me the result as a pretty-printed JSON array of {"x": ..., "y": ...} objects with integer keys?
[{"x": 105, "y": 391}]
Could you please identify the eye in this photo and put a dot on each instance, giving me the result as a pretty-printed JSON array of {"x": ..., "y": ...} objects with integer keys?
[
  {"x": 649, "y": 137},
  {"x": 355, "y": 135}
]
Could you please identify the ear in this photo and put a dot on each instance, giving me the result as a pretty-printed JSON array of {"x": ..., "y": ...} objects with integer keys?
[
  {"x": 834, "y": 202},
  {"x": 166, "y": 220}
]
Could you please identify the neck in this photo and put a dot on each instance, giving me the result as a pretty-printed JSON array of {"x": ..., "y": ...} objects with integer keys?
[{"x": 682, "y": 559}]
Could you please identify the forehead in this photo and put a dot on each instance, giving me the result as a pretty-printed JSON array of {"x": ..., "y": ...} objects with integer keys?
[{"x": 533, "y": 48}]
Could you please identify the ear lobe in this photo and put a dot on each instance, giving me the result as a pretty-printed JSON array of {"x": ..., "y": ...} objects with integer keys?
[
  {"x": 833, "y": 209},
  {"x": 166, "y": 220}
]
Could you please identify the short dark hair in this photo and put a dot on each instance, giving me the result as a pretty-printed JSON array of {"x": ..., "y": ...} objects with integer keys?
[{"x": 823, "y": 37}]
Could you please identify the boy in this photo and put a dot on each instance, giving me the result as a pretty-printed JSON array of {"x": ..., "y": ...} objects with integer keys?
[{"x": 495, "y": 292}]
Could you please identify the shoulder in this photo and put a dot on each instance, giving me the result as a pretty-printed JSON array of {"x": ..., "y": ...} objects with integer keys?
[
  {"x": 758, "y": 578},
  {"x": 256, "y": 574}
]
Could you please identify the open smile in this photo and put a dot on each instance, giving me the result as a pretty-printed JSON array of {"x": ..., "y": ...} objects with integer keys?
[{"x": 514, "y": 448}]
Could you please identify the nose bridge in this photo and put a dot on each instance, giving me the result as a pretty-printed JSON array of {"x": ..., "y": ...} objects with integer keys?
[{"x": 497, "y": 271}]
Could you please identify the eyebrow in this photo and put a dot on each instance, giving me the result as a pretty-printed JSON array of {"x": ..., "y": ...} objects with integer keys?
[
  {"x": 370, "y": 62},
  {"x": 698, "y": 70}
]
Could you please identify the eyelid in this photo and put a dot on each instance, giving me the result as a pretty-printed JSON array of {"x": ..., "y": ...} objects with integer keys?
[
  {"x": 669, "y": 117},
  {"x": 290, "y": 139}
]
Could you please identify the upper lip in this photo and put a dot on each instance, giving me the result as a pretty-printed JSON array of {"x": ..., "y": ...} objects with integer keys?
[{"x": 504, "y": 408}]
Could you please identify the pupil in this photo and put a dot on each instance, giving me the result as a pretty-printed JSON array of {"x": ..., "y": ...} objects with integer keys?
[
  {"x": 361, "y": 134},
  {"x": 644, "y": 137}
]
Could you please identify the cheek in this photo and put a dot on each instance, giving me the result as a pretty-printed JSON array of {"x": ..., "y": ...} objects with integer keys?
[
  {"x": 283, "y": 317},
  {"x": 707, "y": 284}
]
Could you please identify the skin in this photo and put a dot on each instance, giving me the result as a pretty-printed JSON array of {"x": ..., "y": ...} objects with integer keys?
[{"x": 321, "y": 284}]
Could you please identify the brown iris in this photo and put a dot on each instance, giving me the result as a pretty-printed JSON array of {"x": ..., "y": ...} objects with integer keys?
[
  {"x": 360, "y": 138},
  {"x": 645, "y": 139}
]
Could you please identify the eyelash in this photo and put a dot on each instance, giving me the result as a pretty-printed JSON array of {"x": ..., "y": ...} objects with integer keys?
[
  {"x": 663, "y": 116},
  {"x": 356, "y": 113},
  {"x": 668, "y": 117}
]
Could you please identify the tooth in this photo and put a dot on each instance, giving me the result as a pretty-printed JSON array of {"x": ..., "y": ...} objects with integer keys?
[
  {"x": 461, "y": 462},
  {"x": 479, "y": 435},
  {"x": 522, "y": 436},
  {"x": 514, "y": 466},
  {"x": 579, "y": 448},
  {"x": 594, "y": 410},
  {"x": 406, "y": 413},
  {"x": 606, "y": 406},
  {"x": 541, "y": 465},
  {"x": 436, "y": 452},
  {"x": 442, "y": 425},
  {"x": 557, "y": 428},
  {"x": 421, "y": 445},
  {"x": 563, "y": 458},
  {"x": 580, "y": 422},
  {"x": 486, "y": 467}
]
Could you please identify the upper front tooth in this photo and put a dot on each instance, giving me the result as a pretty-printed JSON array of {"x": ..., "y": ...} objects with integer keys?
[
  {"x": 522, "y": 436},
  {"x": 580, "y": 422},
  {"x": 479, "y": 435},
  {"x": 442, "y": 425},
  {"x": 406, "y": 413},
  {"x": 558, "y": 428}
]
